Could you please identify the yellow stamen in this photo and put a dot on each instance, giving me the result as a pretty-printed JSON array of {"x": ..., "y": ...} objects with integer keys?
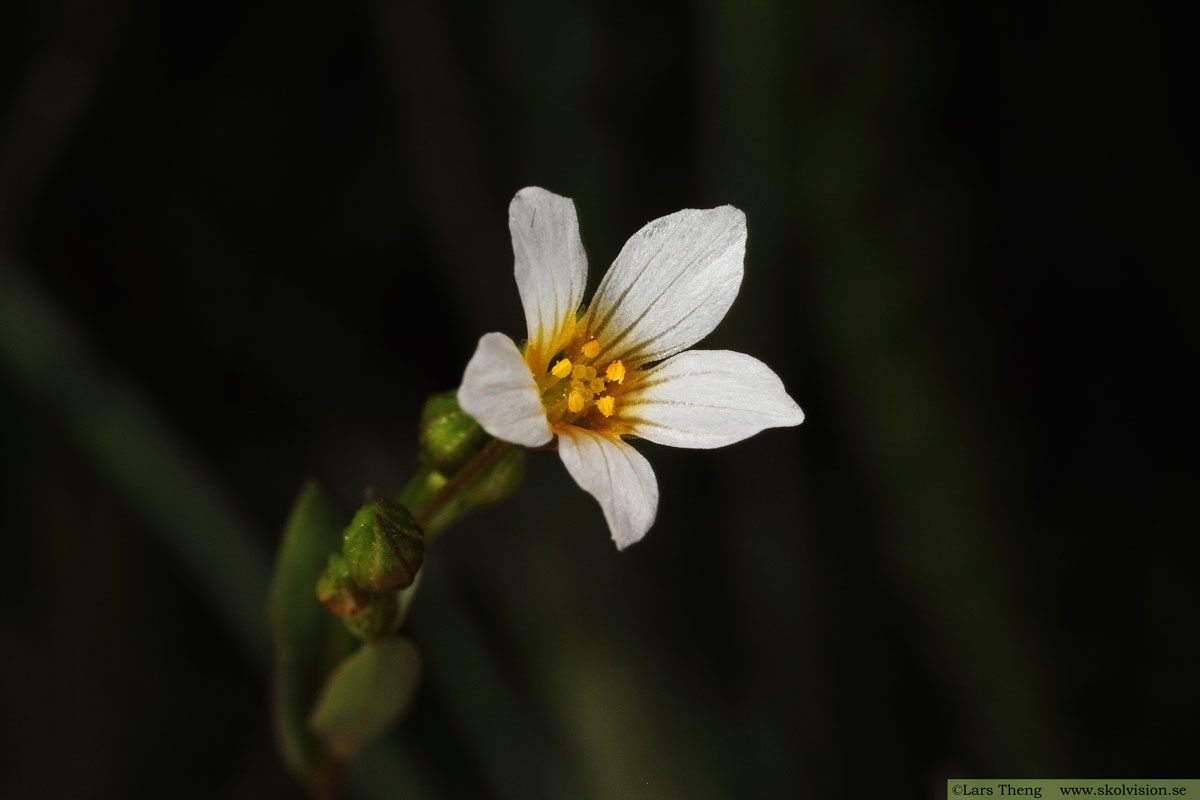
[
  {"x": 575, "y": 402},
  {"x": 579, "y": 373},
  {"x": 581, "y": 389},
  {"x": 596, "y": 385},
  {"x": 607, "y": 405},
  {"x": 615, "y": 372},
  {"x": 591, "y": 349},
  {"x": 562, "y": 369}
]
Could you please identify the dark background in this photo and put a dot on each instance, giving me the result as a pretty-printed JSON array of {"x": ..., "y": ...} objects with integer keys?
[{"x": 240, "y": 243}]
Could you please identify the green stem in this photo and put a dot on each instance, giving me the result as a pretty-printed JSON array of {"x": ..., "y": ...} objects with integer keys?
[{"x": 470, "y": 471}]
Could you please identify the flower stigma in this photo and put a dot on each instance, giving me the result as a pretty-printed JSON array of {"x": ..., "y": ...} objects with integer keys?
[{"x": 577, "y": 392}]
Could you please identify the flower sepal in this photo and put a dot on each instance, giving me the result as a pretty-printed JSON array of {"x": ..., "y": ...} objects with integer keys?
[
  {"x": 375, "y": 620},
  {"x": 448, "y": 437},
  {"x": 383, "y": 546},
  {"x": 337, "y": 591}
]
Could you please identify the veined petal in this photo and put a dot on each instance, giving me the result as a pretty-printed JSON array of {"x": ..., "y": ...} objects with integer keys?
[
  {"x": 551, "y": 268},
  {"x": 670, "y": 285},
  {"x": 708, "y": 398},
  {"x": 499, "y": 392},
  {"x": 620, "y": 479}
]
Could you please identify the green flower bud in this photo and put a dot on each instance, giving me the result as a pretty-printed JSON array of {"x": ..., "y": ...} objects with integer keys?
[
  {"x": 384, "y": 546},
  {"x": 337, "y": 591},
  {"x": 374, "y": 620},
  {"x": 448, "y": 436}
]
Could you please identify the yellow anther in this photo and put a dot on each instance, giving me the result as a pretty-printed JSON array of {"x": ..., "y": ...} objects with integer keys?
[
  {"x": 596, "y": 385},
  {"x": 591, "y": 349},
  {"x": 575, "y": 402},
  {"x": 615, "y": 372},
  {"x": 562, "y": 369},
  {"x": 579, "y": 373},
  {"x": 607, "y": 405},
  {"x": 589, "y": 372}
]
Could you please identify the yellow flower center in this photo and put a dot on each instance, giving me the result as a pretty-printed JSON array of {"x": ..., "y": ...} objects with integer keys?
[{"x": 577, "y": 392}]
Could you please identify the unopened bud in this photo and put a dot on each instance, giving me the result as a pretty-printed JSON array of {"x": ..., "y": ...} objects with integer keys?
[
  {"x": 374, "y": 620},
  {"x": 384, "y": 546},
  {"x": 448, "y": 436},
  {"x": 337, "y": 591}
]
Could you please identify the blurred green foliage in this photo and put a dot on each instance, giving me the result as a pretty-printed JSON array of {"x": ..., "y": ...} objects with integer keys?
[
  {"x": 365, "y": 695},
  {"x": 309, "y": 643}
]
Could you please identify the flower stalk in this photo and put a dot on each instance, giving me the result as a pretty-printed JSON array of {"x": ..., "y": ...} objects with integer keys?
[{"x": 473, "y": 469}]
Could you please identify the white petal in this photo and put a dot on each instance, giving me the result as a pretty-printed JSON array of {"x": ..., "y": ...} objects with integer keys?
[
  {"x": 708, "y": 398},
  {"x": 549, "y": 262},
  {"x": 620, "y": 479},
  {"x": 499, "y": 392},
  {"x": 670, "y": 285}
]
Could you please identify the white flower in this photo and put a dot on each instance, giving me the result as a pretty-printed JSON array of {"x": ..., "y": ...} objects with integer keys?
[{"x": 620, "y": 369}]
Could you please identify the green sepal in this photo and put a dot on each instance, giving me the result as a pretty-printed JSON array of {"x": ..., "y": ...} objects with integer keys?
[
  {"x": 365, "y": 695},
  {"x": 448, "y": 437},
  {"x": 379, "y": 617},
  {"x": 337, "y": 590},
  {"x": 422, "y": 487},
  {"x": 384, "y": 547},
  {"x": 308, "y": 643}
]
